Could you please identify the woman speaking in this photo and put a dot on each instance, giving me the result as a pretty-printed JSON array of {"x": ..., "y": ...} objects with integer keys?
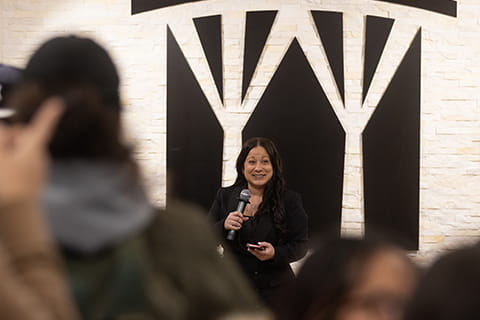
[{"x": 272, "y": 231}]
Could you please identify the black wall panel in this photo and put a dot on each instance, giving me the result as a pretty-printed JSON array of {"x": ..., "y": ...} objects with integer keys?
[
  {"x": 377, "y": 32},
  {"x": 194, "y": 136},
  {"x": 330, "y": 29},
  {"x": 257, "y": 28},
  {"x": 391, "y": 153},
  {"x": 295, "y": 113},
  {"x": 209, "y": 30}
]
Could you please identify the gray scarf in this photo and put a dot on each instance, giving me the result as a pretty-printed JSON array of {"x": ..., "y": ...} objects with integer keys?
[{"x": 91, "y": 205}]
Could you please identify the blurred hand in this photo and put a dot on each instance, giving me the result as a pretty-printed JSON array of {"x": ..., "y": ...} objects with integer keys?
[
  {"x": 234, "y": 221},
  {"x": 267, "y": 253},
  {"x": 23, "y": 154}
]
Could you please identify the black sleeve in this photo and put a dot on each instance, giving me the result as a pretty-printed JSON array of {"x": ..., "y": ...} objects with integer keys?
[
  {"x": 218, "y": 212},
  {"x": 295, "y": 246}
]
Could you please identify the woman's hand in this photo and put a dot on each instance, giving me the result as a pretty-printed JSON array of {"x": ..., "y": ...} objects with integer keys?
[
  {"x": 266, "y": 252},
  {"x": 234, "y": 221}
]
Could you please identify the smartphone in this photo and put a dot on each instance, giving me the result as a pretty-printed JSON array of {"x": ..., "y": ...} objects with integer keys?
[{"x": 255, "y": 246}]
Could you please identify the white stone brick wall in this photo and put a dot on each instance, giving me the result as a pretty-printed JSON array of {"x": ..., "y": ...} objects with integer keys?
[{"x": 450, "y": 109}]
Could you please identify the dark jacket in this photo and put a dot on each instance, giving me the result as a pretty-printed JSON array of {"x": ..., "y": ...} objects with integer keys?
[{"x": 266, "y": 276}]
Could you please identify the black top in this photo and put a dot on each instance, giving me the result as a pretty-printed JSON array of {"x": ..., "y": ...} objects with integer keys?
[{"x": 266, "y": 276}]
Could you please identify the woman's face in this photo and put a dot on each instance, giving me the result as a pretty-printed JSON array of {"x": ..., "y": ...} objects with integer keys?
[
  {"x": 257, "y": 168},
  {"x": 382, "y": 290}
]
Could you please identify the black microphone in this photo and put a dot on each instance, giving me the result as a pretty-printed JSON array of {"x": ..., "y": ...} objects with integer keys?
[{"x": 242, "y": 203}]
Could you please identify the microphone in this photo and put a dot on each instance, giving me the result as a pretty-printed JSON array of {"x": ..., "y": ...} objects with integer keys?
[{"x": 242, "y": 203}]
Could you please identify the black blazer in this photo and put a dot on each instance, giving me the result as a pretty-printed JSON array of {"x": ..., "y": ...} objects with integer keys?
[{"x": 266, "y": 276}]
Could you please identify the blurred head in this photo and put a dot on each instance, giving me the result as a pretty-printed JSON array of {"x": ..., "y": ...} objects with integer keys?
[
  {"x": 351, "y": 279},
  {"x": 449, "y": 288},
  {"x": 82, "y": 72},
  {"x": 63, "y": 63}
]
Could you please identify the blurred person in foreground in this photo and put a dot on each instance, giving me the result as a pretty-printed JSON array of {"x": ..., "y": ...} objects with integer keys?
[
  {"x": 350, "y": 279},
  {"x": 272, "y": 232},
  {"x": 31, "y": 272},
  {"x": 94, "y": 202},
  {"x": 449, "y": 288},
  {"x": 122, "y": 260}
]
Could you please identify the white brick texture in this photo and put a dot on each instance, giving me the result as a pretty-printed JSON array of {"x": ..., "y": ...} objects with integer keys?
[{"x": 450, "y": 106}]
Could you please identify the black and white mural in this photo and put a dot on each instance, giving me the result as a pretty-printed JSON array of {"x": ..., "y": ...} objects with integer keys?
[
  {"x": 339, "y": 93},
  {"x": 448, "y": 7}
]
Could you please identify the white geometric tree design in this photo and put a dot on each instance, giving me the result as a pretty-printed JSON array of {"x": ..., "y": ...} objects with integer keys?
[
  {"x": 298, "y": 23},
  {"x": 355, "y": 114}
]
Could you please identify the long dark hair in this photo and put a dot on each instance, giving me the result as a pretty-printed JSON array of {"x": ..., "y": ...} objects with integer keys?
[
  {"x": 275, "y": 188},
  {"x": 84, "y": 75}
]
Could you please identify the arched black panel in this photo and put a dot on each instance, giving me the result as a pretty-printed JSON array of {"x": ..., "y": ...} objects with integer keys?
[
  {"x": 391, "y": 153},
  {"x": 210, "y": 32},
  {"x": 257, "y": 29},
  {"x": 330, "y": 29},
  {"x": 377, "y": 32},
  {"x": 447, "y": 7},
  {"x": 295, "y": 113},
  {"x": 148, "y": 5},
  {"x": 194, "y": 136}
]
